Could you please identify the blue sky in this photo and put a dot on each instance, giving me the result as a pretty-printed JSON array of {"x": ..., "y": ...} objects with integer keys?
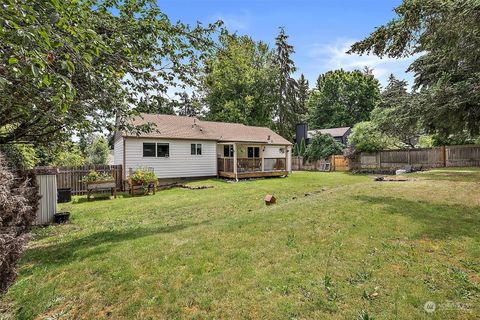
[{"x": 321, "y": 31}]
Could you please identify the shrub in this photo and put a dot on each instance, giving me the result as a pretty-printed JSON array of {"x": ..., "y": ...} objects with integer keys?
[
  {"x": 93, "y": 176},
  {"x": 18, "y": 206},
  {"x": 322, "y": 146}
]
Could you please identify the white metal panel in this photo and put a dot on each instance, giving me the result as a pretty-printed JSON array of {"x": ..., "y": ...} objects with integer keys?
[
  {"x": 47, "y": 208},
  {"x": 118, "y": 151},
  {"x": 180, "y": 163},
  {"x": 274, "y": 152}
]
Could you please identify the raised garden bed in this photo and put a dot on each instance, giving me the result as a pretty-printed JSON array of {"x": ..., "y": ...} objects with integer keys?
[
  {"x": 96, "y": 181},
  {"x": 147, "y": 187},
  {"x": 101, "y": 185}
]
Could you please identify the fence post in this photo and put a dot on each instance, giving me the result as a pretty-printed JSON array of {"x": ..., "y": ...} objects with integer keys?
[
  {"x": 408, "y": 157},
  {"x": 443, "y": 156}
]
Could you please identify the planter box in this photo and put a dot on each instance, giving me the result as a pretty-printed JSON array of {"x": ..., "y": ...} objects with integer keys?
[{"x": 101, "y": 184}]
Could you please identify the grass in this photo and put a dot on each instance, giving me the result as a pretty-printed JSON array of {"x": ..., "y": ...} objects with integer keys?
[{"x": 351, "y": 249}]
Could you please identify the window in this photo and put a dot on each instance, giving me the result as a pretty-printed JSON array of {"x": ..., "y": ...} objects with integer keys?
[
  {"x": 148, "y": 149},
  {"x": 228, "y": 150},
  {"x": 196, "y": 149},
  {"x": 163, "y": 150},
  {"x": 253, "y": 152}
]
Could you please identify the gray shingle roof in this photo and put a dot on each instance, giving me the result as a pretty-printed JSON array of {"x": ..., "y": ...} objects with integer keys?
[
  {"x": 179, "y": 127},
  {"x": 334, "y": 132}
]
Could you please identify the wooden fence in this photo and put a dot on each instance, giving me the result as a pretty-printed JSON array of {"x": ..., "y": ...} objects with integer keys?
[
  {"x": 462, "y": 156},
  {"x": 334, "y": 163},
  {"x": 71, "y": 177},
  {"x": 447, "y": 156}
]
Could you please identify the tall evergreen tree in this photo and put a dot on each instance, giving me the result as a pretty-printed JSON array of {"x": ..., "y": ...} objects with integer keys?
[
  {"x": 445, "y": 36},
  {"x": 286, "y": 116},
  {"x": 394, "y": 93},
  {"x": 188, "y": 106},
  {"x": 303, "y": 91},
  {"x": 393, "y": 116}
]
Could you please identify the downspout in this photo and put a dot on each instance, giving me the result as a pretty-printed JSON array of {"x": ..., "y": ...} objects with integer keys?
[{"x": 124, "y": 165}]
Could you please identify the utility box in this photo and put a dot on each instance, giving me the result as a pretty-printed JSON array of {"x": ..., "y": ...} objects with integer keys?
[{"x": 64, "y": 195}]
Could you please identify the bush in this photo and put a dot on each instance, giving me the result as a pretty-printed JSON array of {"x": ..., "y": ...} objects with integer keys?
[
  {"x": 322, "y": 146},
  {"x": 18, "y": 205}
]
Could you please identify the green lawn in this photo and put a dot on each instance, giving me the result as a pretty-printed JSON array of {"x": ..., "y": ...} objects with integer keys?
[{"x": 351, "y": 247}]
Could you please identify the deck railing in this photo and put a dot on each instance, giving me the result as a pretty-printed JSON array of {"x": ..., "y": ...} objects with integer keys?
[
  {"x": 249, "y": 165},
  {"x": 252, "y": 164}
]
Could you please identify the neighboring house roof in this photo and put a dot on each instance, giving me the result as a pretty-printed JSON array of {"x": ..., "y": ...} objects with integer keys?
[
  {"x": 180, "y": 127},
  {"x": 334, "y": 132}
]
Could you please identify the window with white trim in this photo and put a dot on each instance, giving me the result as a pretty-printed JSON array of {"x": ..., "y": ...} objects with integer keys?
[{"x": 196, "y": 149}]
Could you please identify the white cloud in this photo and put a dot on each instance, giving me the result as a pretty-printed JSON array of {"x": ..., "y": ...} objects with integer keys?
[
  {"x": 235, "y": 22},
  {"x": 325, "y": 57}
]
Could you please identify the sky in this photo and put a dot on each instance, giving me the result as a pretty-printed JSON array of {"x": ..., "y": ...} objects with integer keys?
[{"x": 320, "y": 31}]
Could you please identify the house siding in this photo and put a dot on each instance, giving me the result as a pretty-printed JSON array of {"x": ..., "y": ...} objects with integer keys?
[
  {"x": 118, "y": 151},
  {"x": 179, "y": 164}
]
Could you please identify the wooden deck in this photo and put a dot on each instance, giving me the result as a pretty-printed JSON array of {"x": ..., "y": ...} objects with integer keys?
[{"x": 259, "y": 174}]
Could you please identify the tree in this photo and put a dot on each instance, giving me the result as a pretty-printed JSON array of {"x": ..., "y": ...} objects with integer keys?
[
  {"x": 322, "y": 146},
  {"x": 19, "y": 156},
  {"x": 287, "y": 105},
  {"x": 303, "y": 147},
  {"x": 72, "y": 157},
  {"x": 393, "y": 117},
  {"x": 295, "y": 150},
  {"x": 77, "y": 66},
  {"x": 342, "y": 99},
  {"x": 366, "y": 137},
  {"x": 18, "y": 206},
  {"x": 238, "y": 81},
  {"x": 446, "y": 37},
  {"x": 189, "y": 106},
  {"x": 303, "y": 92},
  {"x": 98, "y": 151}
]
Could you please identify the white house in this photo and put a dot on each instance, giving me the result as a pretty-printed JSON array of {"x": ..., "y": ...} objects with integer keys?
[{"x": 185, "y": 147}]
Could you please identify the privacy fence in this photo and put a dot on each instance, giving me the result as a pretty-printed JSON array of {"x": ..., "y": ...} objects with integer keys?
[
  {"x": 447, "y": 156},
  {"x": 334, "y": 163},
  {"x": 71, "y": 177}
]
